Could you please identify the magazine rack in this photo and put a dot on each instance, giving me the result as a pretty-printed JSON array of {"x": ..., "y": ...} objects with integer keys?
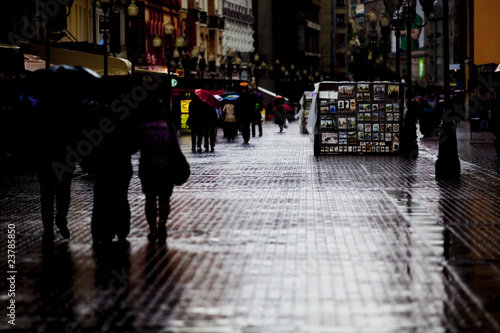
[{"x": 357, "y": 117}]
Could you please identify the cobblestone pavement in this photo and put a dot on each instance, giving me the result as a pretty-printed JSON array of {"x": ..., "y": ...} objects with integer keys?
[{"x": 266, "y": 237}]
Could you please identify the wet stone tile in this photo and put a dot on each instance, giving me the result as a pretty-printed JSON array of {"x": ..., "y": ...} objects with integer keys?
[{"x": 266, "y": 237}]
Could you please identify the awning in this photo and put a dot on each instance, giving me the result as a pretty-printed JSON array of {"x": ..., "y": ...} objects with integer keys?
[
  {"x": 95, "y": 62},
  {"x": 268, "y": 92}
]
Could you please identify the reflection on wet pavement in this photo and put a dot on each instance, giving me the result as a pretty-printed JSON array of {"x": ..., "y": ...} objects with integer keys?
[{"x": 266, "y": 237}]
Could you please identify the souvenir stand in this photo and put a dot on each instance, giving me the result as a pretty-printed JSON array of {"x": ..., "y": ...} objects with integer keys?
[
  {"x": 356, "y": 117},
  {"x": 305, "y": 104}
]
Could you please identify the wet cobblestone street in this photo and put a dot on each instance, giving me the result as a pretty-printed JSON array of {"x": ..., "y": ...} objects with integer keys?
[{"x": 266, "y": 237}]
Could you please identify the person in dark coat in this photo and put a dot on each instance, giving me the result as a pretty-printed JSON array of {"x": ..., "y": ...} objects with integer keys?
[
  {"x": 195, "y": 122},
  {"x": 111, "y": 164},
  {"x": 203, "y": 122},
  {"x": 257, "y": 119},
  {"x": 279, "y": 112},
  {"x": 56, "y": 128},
  {"x": 156, "y": 138},
  {"x": 245, "y": 111},
  {"x": 55, "y": 96}
]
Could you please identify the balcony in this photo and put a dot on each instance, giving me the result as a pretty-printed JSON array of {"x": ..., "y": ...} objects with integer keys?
[
  {"x": 213, "y": 21},
  {"x": 203, "y": 17}
]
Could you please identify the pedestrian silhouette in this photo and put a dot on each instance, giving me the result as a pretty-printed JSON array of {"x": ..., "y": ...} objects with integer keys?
[
  {"x": 229, "y": 126},
  {"x": 257, "y": 118},
  {"x": 245, "y": 111},
  {"x": 279, "y": 112},
  {"x": 56, "y": 95},
  {"x": 156, "y": 139},
  {"x": 195, "y": 122},
  {"x": 110, "y": 162},
  {"x": 203, "y": 121}
]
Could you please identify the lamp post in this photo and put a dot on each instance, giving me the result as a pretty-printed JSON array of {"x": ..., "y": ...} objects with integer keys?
[
  {"x": 105, "y": 6},
  {"x": 168, "y": 31},
  {"x": 372, "y": 18},
  {"x": 385, "y": 45},
  {"x": 223, "y": 63},
  {"x": 211, "y": 64},
  {"x": 194, "y": 57},
  {"x": 230, "y": 54},
  {"x": 180, "y": 54},
  {"x": 157, "y": 46},
  {"x": 404, "y": 13},
  {"x": 258, "y": 68},
  {"x": 448, "y": 163},
  {"x": 202, "y": 64},
  {"x": 237, "y": 63},
  {"x": 133, "y": 13}
]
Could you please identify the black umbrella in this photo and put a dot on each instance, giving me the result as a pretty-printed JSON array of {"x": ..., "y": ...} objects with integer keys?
[{"x": 62, "y": 83}]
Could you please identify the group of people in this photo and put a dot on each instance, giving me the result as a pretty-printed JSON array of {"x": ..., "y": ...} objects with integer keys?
[
  {"x": 242, "y": 114},
  {"x": 71, "y": 126}
]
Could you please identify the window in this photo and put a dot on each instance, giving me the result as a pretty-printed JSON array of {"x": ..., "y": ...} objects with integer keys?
[{"x": 340, "y": 20}]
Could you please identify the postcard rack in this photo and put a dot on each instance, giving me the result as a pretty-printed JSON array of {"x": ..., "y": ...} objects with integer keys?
[{"x": 358, "y": 118}]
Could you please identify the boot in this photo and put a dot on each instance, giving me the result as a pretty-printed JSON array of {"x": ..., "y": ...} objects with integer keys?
[
  {"x": 162, "y": 232},
  {"x": 62, "y": 225},
  {"x": 153, "y": 233}
]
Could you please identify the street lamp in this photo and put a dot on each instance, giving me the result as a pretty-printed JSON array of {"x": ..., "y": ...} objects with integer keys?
[
  {"x": 133, "y": 10},
  {"x": 202, "y": 63},
  {"x": 194, "y": 57},
  {"x": 168, "y": 31},
  {"x": 237, "y": 63},
  {"x": 157, "y": 46},
  {"x": 133, "y": 13},
  {"x": 404, "y": 13},
  {"x": 211, "y": 64},
  {"x": 229, "y": 55},
  {"x": 372, "y": 18},
  {"x": 385, "y": 45}
]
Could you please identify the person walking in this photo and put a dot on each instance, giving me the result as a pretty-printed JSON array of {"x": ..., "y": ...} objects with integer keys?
[
  {"x": 202, "y": 121},
  {"x": 257, "y": 119},
  {"x": 245, "y": 111},
  {"x": 279, "y": 112},
  {"x": 156, "y": 139},
  {"x": 111, "y": 164},
  {"x": 54, "y": 98},
  {"x": 230, "y": 128}
]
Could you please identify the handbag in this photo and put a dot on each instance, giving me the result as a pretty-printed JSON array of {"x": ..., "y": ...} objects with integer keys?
[{"x": 178, "y": 166}]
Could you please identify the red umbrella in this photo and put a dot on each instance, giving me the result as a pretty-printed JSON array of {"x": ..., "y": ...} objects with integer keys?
[
  {"x": 207, "y": 97},
  {"x": 288, "y": 108}
]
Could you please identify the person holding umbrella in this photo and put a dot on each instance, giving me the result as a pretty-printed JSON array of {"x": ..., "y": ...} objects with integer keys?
[
  {"x": 245, "y": 111},
  {"x": 203, "y": 119},
  {"x": 56, "y": 96},
  {"x": 280, "y": 111},
  {"x": 229, "y": 119}
]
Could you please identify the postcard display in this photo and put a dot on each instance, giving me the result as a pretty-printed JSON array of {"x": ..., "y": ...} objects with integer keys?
[{"x": 359, "y": 117}]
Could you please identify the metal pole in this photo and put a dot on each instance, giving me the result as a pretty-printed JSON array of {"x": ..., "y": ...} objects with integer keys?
[
  {"x": 408, "y": 56},
  {"x": 398, "y": 54},
  {"x": 105, "y": 36},
  {"x": 48, "y": 37},
  {"x": 409, "y": 145},
  {"x": 447, "y": 164}
]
